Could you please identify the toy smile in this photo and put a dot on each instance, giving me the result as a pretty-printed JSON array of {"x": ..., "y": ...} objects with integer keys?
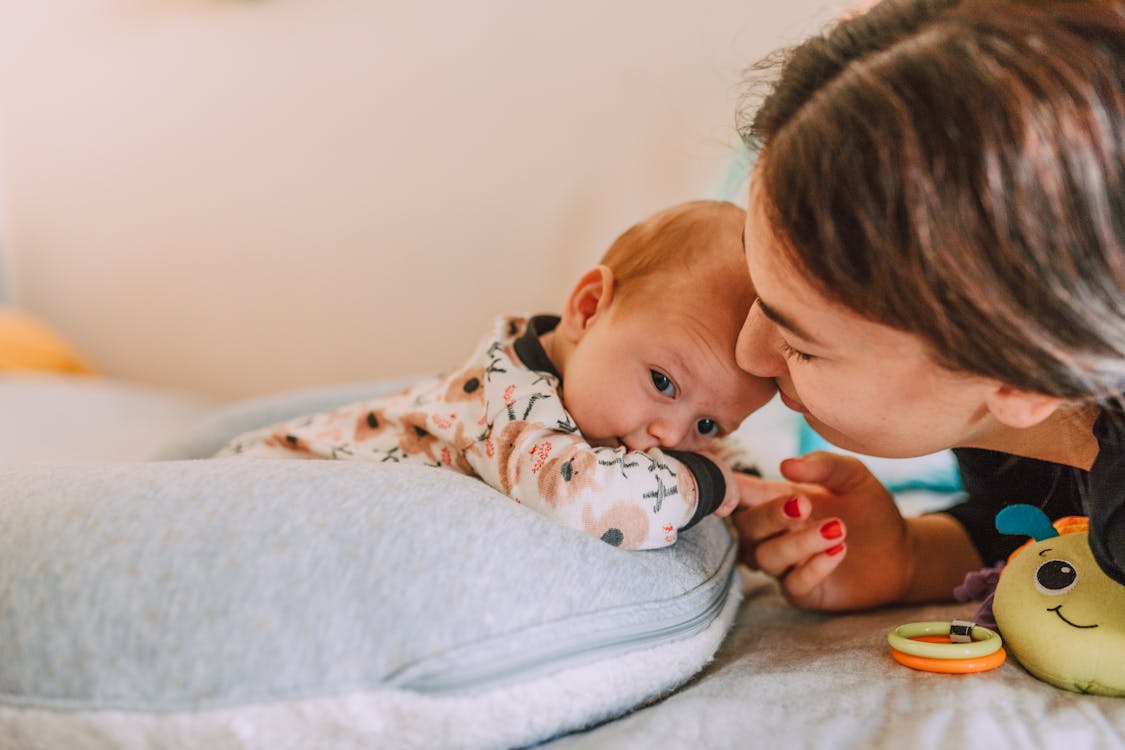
[{"x": 1068, "y": 622}]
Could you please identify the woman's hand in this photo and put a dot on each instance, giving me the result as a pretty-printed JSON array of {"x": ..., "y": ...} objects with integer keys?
[{"x": 836, "y": 542}]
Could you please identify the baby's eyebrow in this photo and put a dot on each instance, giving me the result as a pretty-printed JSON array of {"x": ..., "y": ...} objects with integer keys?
[
  {"x": 679, "y": 370},
  {"x": 787, "y": 323}
]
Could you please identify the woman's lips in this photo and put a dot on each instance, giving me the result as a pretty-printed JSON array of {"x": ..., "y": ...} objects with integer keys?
[{"x": 794, "y": 405}]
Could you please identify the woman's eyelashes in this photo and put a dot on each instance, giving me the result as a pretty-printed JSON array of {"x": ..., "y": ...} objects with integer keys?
[
  {"x": 790, "y": 353},
  {"x": 663, "y": 383}
]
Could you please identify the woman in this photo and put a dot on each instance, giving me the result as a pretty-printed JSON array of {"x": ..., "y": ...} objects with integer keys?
[{"x": 936, "y": 233}]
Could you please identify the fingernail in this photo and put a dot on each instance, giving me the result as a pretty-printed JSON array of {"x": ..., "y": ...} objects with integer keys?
[
  {"x": 833, "y": 551},
  {"x": 832, "y": 530},
  {"x": 792, "y": 507}
]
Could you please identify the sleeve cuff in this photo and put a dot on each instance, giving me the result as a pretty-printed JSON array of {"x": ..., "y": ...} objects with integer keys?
[{"x": 709, "y": 482}]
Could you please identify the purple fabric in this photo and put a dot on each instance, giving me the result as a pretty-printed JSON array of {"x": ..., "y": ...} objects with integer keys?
[{"x": 980, "y": 585}]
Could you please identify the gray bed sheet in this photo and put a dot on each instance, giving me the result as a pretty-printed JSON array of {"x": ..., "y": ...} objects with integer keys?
[{"x": 785, "y": 678}]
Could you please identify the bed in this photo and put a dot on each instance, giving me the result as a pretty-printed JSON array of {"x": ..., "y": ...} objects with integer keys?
[
  {"x": 218, "y": 214},
  {"x": 762, "y": 674}
]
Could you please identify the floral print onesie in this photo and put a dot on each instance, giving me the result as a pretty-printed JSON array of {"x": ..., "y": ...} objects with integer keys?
[{"x": 501, "y": 418}]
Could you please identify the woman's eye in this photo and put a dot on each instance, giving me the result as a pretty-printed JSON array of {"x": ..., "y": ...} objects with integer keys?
[
  {"x": 707, "y": 427},
  {"x": 663, "y": 383},
  {"x": 790, "y": 353}
]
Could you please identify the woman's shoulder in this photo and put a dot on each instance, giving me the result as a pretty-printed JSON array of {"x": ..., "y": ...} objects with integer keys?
[{"x": 1109, "y": 428}]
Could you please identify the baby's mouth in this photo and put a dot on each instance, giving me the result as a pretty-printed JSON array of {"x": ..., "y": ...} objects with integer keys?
[
  {"x": 1057, "y": 611},
  {"x": 607, "y": 442}
]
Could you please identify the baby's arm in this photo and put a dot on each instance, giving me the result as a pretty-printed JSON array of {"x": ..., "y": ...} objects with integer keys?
[
  {"x": 740, "y": 471},
  {"x": 533, "y": 452},
  {"x": 636, "y": 500},
  {"x": 259, "y": 444}
]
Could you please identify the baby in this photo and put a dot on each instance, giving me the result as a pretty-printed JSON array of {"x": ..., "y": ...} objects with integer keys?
[{"x": 609, "y": 417}]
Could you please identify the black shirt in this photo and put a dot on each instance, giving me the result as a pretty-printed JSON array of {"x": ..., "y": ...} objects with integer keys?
[{"x": 993, "y": 480}]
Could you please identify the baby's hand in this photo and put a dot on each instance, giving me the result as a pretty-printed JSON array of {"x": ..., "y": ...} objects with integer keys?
[
  {"x": 744, "y": 490},
  {"x": 731, "y": 498}
]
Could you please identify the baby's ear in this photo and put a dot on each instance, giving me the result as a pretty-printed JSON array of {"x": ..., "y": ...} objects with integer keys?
[
  {"x": 589, "y": 300},
  {"x": 1018, "y": 408}
]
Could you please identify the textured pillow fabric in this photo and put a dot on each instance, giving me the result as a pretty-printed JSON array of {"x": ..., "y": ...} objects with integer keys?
[{"x": 293, "y": 604}]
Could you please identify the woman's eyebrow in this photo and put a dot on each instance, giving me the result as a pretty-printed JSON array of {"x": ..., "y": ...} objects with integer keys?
[{"x": 787, "y": 323}]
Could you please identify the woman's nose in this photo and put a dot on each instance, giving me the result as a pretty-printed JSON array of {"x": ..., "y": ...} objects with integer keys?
[{"x": 756, "y": 350}]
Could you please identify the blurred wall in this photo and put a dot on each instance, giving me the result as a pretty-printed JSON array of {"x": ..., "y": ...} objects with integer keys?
[{"x": 244, "y": 197}]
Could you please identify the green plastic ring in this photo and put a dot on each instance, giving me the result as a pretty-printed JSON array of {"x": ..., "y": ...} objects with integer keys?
[{"x": 984, "y": 642}]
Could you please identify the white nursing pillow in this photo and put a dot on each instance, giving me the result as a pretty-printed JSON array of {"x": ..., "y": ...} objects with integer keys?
[{"x": 273, "y": 604}]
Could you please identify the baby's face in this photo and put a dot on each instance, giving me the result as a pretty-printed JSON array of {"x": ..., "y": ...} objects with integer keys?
[{"x": 662, "y": 372}]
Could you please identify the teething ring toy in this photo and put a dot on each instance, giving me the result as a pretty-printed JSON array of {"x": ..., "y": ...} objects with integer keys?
[
  {"x": 951, "y": 666},
  {"x": 956, "y": 647},
  {"x": 968, "y": 640}
]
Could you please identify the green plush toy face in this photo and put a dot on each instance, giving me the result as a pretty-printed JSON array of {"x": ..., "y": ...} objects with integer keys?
[{"x": 1062, "y": 617}]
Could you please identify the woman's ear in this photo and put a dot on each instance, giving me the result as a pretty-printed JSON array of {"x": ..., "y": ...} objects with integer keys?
[
  {"x": 1018, "y": 408},
  {"x": 589, "y": 299}
]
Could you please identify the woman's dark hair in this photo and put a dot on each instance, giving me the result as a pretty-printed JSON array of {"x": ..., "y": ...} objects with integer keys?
[{"x": 954, "y": 170}]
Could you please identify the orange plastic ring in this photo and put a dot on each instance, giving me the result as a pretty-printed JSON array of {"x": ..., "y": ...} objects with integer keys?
[{"x": 951, "y": 666}]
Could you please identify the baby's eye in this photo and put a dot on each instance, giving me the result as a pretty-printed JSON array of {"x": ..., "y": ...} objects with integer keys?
[
  {"x": 707, "y": 427},
  {"x": 663, "y": 383}
]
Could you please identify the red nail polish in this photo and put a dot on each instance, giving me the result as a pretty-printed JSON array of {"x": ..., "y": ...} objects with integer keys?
[
  {"x": 792, "y": 507},
  {"x": 833, "y": 551},
  {"x": 832, "y": 530}
]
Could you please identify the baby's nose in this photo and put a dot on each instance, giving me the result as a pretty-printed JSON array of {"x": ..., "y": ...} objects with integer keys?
[{"x": 669, "y": 432}]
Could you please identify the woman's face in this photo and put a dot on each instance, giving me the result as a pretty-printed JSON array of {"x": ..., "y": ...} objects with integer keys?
[{"x": 861, "y": 385}]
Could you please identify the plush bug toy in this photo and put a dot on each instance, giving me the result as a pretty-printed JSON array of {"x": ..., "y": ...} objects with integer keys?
[{"x": 1059, "y": 614}]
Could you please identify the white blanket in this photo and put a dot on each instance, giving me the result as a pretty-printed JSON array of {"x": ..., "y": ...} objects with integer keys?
[
  {"x": 791, "y": 679},
  {"x": 783, "y": 679}
]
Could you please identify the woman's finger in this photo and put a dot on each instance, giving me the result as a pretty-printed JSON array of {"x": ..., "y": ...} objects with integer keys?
[
  {"x": 803, "y": 579},
  {"x": 755, "y": 490},
  {"x": 771, "y": 517},
  {"x": 836, "y": 473},
  {"x": 792, "y": 550}
]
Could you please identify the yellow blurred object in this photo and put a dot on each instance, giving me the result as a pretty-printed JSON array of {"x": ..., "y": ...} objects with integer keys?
[{"x": 27, "y": 343}]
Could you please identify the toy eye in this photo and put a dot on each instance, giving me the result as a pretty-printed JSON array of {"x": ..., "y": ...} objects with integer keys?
[{"x": 1055, "y": 577}]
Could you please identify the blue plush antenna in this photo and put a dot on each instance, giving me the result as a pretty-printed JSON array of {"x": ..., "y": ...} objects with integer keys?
[{"x": 1026, "y": 520}]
